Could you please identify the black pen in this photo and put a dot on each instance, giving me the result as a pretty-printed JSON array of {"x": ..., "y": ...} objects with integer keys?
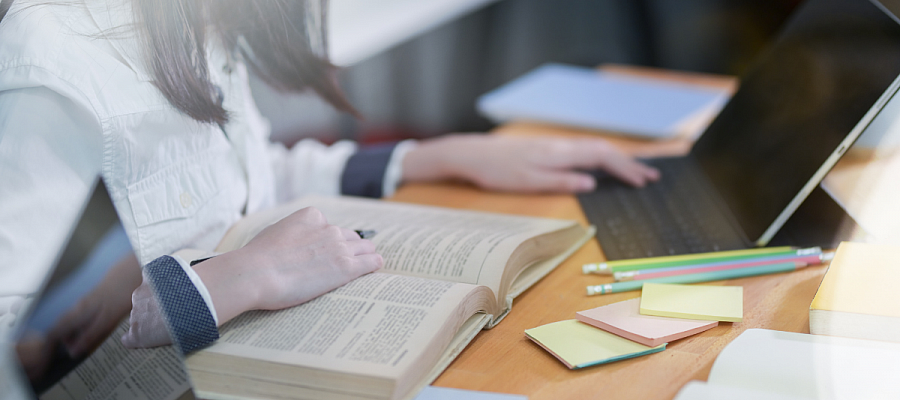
[{"x": 365, "y": 234}]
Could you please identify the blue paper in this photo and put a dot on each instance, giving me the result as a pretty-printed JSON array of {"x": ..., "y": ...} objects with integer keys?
[
  {"x": 440, "y": 393},
  {"x": 588, "y": 98}
]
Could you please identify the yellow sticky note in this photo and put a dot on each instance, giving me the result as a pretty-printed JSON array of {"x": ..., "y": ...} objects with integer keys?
[
  {"x": 580, "y": 345},
  {"x": 708, "y": 303}
]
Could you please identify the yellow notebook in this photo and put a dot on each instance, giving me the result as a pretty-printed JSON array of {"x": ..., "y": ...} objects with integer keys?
[
  {"x": 858, "y": 296},
  {"x": 708, "y": 303},
  {"x": 580, "y": 345}
]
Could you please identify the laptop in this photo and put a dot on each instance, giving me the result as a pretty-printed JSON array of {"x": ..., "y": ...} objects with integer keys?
[
  {"x": 830, "y": 72},
  {"x": 34, "y": 366}
]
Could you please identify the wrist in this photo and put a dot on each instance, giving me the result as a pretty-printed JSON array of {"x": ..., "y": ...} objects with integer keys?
[
  {"x": 228, "y": 279},
  {"x": 436, "y": 159}
]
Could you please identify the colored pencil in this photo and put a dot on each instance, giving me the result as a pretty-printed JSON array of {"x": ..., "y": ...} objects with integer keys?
[
  {"x": 609, "y": 267},
  {"x": 708, "y": 267},
  {"x": 617, "y": 287}
]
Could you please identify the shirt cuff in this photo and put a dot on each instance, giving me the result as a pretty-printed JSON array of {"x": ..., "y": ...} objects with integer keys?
[
  {"x": 394, "y": 171},
  {"x": 364, "y": 171},
  {"x": 198, "y": 283},
  {"x": 190, "y": 322}
]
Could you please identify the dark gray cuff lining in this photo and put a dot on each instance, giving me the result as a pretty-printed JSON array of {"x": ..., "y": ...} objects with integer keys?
[
  {"x": 191, "y": 324},
  {"x": 364, "y": 173}
]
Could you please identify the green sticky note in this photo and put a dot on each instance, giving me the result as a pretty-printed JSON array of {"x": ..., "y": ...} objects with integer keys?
[
  {"x": 708, "y": 303},
  {"x": 580, "y": 345}
]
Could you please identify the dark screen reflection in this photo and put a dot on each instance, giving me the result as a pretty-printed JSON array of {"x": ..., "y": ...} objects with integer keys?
[
  {"x": 86, "y": 296},
  {"x": 833, "y": 61}
]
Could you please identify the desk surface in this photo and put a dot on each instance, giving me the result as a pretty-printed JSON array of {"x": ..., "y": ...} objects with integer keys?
[{"x": 504, "y": 360}]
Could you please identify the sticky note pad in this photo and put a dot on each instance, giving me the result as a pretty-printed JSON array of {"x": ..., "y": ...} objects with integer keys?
[
  {"x": 624, "y": 319},
  {"x": 580, "y": 345},
  {"x": 710, "y": 303}
]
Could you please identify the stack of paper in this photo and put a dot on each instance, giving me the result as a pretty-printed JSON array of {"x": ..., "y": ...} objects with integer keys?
[
  {"x": 639, "y": 326},
  {"x": 709, "y": 303},
  {"x": 578, "y": 345},
  {"x": 624, "y": 319}
]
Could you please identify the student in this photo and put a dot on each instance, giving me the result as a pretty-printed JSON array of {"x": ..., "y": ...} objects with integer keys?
[{"x": 153, "y": 96}]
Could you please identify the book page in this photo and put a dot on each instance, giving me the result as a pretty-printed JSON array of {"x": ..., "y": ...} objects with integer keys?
[
  {"x": 115, "y": 372},
  {"x": 430, "y": 242},
  {"x": 809, "y": 366},
  {"x": 376, "y": 325}
]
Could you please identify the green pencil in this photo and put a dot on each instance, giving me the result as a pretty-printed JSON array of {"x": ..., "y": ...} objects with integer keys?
[
  {"x": 617, "y": 287},
  {"x": 609, "y": 267}
]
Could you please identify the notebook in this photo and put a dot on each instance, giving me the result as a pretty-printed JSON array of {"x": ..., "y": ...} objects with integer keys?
[
  {"x": 579, "y": 345},
  {"x": 588, "y": 98},
  {"x": 703, "y": 302},
  {"x": 858, "y": 296},
  {"x": 624, "y": 319}
]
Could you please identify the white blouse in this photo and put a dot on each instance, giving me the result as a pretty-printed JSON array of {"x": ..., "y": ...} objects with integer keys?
[{"x": 77, "y": 101}]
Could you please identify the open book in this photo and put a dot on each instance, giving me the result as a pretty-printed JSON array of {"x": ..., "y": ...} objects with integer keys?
[
  {"x": 764, "y": 364},
  {"x": 447, "y": 275}
]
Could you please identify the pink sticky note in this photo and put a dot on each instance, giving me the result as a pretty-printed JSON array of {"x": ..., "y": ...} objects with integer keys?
[{"x": 624, "y": 319}]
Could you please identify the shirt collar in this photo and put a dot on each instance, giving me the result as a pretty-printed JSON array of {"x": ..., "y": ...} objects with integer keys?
[{"x": 115, "y": 19}]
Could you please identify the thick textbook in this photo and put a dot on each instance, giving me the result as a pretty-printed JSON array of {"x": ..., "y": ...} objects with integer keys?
[
  {"x": 858, "y": 296},
  {"x": 766, "y": 364},
  {"x": 448, "y": 274}
]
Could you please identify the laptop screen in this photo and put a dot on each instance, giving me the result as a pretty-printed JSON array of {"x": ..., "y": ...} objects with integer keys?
[
  {"x": 809, "y": 96},
  {"x": 67, "y": 343}
]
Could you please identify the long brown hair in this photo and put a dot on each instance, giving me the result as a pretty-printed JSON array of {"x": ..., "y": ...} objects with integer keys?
[
  {"x": 4, "y": 7},
  {"x": 283, "y": 41}
]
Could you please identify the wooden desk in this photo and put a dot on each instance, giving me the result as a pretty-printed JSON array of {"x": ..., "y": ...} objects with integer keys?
[{"x": 504, "y": 360}]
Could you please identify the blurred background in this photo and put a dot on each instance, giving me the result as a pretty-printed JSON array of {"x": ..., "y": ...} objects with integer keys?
[{"x": 414, "y": 68}]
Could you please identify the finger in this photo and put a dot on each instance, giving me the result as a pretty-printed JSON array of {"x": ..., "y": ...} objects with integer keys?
[
  {"x": 350, "y": 234},
  {"x": 558, "y": 181},
  {"x": 309, "y": 215},
  {"x": 360, "y": 246},
  {"x": 576, "y": 153},
  {"x": 598, "y": 153},
  {"x": 367, "y": 263},
  {"x": 628, "y": 169}
]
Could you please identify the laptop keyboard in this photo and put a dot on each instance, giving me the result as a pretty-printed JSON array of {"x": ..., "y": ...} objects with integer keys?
[{"x": 676, "y": 215}]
